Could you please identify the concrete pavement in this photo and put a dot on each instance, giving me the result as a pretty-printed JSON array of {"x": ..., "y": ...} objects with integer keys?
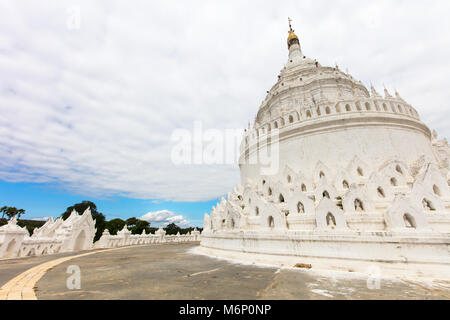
[{"x": 173, "y": 271}]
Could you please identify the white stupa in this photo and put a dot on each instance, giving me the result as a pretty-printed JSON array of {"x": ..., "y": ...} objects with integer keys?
[{"x": 355, "y": 180}]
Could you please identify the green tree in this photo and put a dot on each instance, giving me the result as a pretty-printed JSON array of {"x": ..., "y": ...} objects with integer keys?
[
  {"x": 11, "y": 212},
  {"x": 100, "y": 220},
  {"x": 136, "y": 226},
  {"x": 131, "y": 222},
  {"x": 172, "y": 229},
  {"x": 141, "y": 225},
  {"x": 115, "y": 225}
]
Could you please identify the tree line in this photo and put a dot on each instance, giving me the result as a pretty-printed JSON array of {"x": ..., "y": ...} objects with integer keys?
[{"x": 135, "y": 225}]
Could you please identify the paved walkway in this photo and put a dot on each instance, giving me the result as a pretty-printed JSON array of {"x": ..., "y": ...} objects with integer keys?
[
  {"x": 171, "y": 271},
  {"x": 11, "y": 268},
  {"x": 22, "y": 286}
]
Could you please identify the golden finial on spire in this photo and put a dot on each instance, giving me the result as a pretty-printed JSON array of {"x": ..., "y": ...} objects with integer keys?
[{"x": 292, "y": 38}]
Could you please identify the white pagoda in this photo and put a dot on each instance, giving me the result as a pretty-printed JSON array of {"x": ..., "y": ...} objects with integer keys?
[{"x": 355, "y": 179}]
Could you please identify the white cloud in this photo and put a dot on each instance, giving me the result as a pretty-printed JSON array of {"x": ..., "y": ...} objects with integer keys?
[
  {"x": 41, "y": 219},
  {"x": 93, "y": 109},
  {"x": 165, "y": 217}
]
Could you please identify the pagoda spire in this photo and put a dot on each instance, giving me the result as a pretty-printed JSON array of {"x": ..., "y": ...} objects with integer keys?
[
  {"x": 292, "y": 38},
  {"x": 293, "y": 43}
]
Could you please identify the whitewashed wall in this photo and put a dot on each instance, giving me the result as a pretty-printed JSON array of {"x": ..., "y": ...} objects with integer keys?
[{"x": 74, "y": 234}]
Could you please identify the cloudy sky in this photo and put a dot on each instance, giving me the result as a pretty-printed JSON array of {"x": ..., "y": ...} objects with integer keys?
[{"x": 92, "y": 91}]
